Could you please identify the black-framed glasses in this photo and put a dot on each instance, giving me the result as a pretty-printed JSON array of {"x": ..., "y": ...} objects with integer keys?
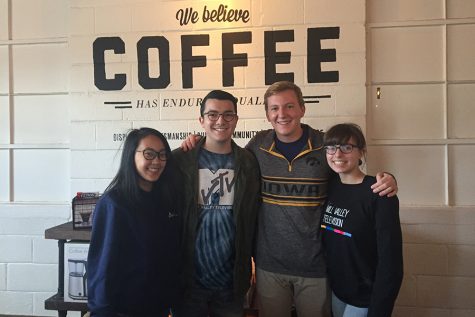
[
  {"x": 214, "y": 115},
  {"x": 344, "y": 148},
  {"x": 150, "y": 154}
]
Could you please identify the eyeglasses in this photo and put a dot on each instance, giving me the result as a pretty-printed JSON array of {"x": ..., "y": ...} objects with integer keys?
[
  {"x": 150, "y": 154},
  {"x": 214, "y": 116},
  {"x": 344, "y": 148}
]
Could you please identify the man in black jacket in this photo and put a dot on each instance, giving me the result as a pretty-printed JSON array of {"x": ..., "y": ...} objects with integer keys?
[{"x": 221, "y": 198}]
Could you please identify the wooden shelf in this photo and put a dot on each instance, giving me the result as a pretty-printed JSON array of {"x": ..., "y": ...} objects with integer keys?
[
  {"x": 65, "y": 231},
  {"x": 57, "y": 302}
]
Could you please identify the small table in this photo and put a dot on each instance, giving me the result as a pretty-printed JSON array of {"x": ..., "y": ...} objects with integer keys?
[{"x": 63, "y": 233}]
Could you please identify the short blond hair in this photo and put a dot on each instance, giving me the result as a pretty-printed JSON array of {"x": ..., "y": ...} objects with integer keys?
[{"x": 280, "y": 86}]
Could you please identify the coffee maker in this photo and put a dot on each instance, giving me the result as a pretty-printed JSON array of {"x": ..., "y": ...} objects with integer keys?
[{"x": 77, "y": 288}]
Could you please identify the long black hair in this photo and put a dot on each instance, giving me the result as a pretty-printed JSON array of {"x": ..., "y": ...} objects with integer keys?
[{"x": 126, "y": 181}]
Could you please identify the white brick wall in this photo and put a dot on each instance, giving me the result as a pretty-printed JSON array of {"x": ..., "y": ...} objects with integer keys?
[
  {"x": 460, "y": 61},
  {"x": 40, "y": 162},
  {"x": 31, "y": 219},
  {"x": 41, "y": 181},
  {"x": 94, "y": 164},
  {"x": 105, "y": 132},
  {"x": 68, "y": 133},
  {"x": 420, "y": 67},
  {"x": 81, "y": 20},
  {"x": 446, "y": 292},
  {"x": 140, "y": 20},
  {"x": 40, "y": 68},
  {"x": 411, "y": 106},
  {"x": 39, "y": 305},
  {"x": 461, "y": 260},
  {"x": 88, "y": 107},
  {"x": 341, "y": 10},
  {"x": 4, "y": 120},
  {"x": 83, "y": 135},
  {"x": 461, "y": 9},
  {"x": 3, "y": 277},
  {"x": 438, "y": 262},
  {"x": 4, "y": 69},
  {"x": 41, "y": 119},
  {"x": 32, "y": 277},
  {"x": 44, "y": 251},
  {"x": 29, "y": 225},
  {"x": 15, "y": 249},
  {"x": 89, "y": 185},
  {"x": 113, "y": 19},
  {"x": 80, "y": 78},
  {"x": 4, "y": 176},
  {"x": 324, "y": 123},
  {"x": 463, "y": 179},
  {"x": 3, "y": 19},
  {"x": 409, "y": 10},
  {"x": 282, "y": 12},
  {"x": 16, "y": 303},
  {"x": 389, "y": 158},
  {"x": 460, "y": 117},
  {"x": 39, "y": 19}
]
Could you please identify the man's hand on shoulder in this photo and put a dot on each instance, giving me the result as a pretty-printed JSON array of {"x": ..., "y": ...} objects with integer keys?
[
  {"x": 190, "y": 142},
  {"x": 385, "y": 185}
]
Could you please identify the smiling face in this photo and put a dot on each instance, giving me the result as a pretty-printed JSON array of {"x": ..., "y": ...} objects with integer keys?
[
  {"x": 346, "y": 164},
  {"x": 284, "y": 113},
  {"x": 149, "y": 170},
  {"x": 219, "y": 132}
]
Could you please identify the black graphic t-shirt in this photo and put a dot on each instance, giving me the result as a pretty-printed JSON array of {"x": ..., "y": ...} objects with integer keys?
[
  {"x": 363, "y": 243},
  {"x": 214, "y": 248}
]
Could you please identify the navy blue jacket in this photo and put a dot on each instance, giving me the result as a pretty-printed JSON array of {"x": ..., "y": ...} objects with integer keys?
[{"x": 134, "y": 257}]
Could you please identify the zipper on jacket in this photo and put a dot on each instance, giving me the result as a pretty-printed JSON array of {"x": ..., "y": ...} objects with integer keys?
[{"x": 277, "y": 154}]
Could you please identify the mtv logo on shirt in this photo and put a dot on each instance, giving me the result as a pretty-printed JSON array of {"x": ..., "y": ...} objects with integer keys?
[{"x": 216, "y": 187}]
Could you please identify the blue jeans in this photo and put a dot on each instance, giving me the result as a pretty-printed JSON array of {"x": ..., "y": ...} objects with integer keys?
[
  {"x": 199, "y": 302},
  {"x": 342, "y": 309}
]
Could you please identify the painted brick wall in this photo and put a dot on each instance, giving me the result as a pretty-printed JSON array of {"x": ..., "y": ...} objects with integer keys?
[
  {"x": 34, "y": 149},
  {"x": 439, "y": 254},
  {"x": 94, "y": 124},
  {"x": 63, "y": 134}
]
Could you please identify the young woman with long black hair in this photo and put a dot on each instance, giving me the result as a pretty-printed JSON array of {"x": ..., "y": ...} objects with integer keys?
[{"x": 134, "y": 256}]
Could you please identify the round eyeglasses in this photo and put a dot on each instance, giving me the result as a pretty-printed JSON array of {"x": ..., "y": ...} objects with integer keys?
[
  {"x": 214, "y": 116},
  {"x": 150, "y": 154},
  {"x": 344, "y": 148}
]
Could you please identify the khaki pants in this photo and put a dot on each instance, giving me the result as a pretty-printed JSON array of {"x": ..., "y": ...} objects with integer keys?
[{"x": 277, "y": 292}]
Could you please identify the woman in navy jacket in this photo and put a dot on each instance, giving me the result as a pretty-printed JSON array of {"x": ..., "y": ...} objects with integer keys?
[{"x": 134, "y": 257}]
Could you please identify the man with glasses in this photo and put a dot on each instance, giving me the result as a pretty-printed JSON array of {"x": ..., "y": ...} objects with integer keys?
[{"x": 221, "y": 200}]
